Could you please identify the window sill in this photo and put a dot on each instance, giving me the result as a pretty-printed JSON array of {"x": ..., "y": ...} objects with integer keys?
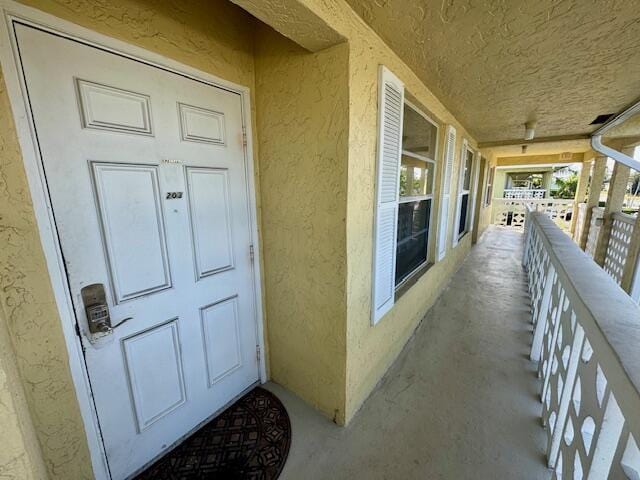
[
  {"x": 404, "y": 286},
  {"x": 461, "y": 237}
]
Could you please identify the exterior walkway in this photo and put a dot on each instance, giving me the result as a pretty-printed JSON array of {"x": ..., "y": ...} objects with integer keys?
[{"x": 459, "y": 403}]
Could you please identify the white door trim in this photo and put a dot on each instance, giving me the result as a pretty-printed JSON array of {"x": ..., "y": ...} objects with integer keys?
[{"x": 10, "y": 12}]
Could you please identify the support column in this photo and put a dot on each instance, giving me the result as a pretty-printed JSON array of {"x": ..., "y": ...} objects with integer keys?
[
  {"x": 581, "y": 193},
  {"x": 547, "y": 180},
  {"x": 593, "y": 199},
  {"x": 615, "y": 200}
]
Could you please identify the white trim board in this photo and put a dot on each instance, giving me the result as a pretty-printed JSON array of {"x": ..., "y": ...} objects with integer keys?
[{"x": 15, "y": 12}]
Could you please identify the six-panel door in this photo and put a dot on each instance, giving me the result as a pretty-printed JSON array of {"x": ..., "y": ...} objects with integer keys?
[{"x": 147, "y": 178}]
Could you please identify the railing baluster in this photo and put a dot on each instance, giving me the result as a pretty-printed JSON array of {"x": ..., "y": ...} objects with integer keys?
[{"x": 587, "y": 356}]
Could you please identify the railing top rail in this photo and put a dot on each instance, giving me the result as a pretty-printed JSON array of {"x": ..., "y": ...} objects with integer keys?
[
  {"x": 609, "y": 316},
  {"x": 562, "y": 201},
  {"x": 625, "y": 217}
]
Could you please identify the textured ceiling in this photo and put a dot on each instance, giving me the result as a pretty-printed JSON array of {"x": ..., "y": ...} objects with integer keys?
[{"x": 498, "y": 63}]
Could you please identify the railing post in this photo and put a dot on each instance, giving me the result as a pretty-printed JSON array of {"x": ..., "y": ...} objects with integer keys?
[
  {"x": 626, "y": 282},
  {"x": 615, "y": 200},
  {"x": 581, "y": 193},
  {"x": 593, "y": 200}
]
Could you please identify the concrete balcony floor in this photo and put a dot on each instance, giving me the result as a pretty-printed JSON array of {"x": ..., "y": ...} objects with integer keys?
[{"x": 459, "y": 403}]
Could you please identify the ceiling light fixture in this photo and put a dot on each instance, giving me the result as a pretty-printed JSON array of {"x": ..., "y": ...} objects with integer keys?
[{"x": 529, "y": 130}]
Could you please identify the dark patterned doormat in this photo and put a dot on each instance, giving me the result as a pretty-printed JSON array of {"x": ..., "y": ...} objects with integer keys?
[{"x": 249, "y": 440}]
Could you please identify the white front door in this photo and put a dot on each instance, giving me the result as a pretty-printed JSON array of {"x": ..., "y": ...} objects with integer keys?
[{"x": 147, "y": 178}]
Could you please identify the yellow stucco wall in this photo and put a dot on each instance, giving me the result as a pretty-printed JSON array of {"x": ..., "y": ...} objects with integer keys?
[
  {"x": 316, "y": 122},
  {"x": 371, "y": 350},
  {"x": 302, "y": 105},
  {"x": 20, "y": 455},
  {"x": 213, "y": 36}
]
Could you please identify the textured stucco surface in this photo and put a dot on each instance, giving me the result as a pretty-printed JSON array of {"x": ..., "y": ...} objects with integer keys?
[
  {"x": 497, "y": 64},
  {"x": 302, "y": 103},
  {"x": 295, "y": 21},
  {"x": 371, "y": 350},
  {"x": 317, "y": 124},
  {"x": 212, "y": 36},
  {"x": 533, "y": 148},
  {"x": 20, "y": 455}
]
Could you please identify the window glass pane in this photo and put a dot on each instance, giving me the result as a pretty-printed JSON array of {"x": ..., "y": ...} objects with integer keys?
[
  {"x": 463, "y": 214},
  {"x": 413, "y": 234},
  {"x": 467, "y": 171},
  {"x": 416, "y": 177},
  {"x": 418, "y": 134}
]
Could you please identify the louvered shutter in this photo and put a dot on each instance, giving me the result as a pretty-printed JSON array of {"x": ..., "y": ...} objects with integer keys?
[
  {"x": 475, "y": 188},
  {"x": 463, "y": 161},
  {"x": 390, "y": 112},
  {"x": 450, "y": 148}
]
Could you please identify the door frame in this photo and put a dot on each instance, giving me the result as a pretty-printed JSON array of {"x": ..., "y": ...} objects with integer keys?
[{"x": 11, "y": 12}]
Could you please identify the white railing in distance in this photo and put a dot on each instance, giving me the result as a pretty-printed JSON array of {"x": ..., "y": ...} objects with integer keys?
[
  {"x": 524, "y": 193},
  {"x": 511, "y": 212},
  {"x": 618, "y": 247},
  {"x": 586, "y": 337}
]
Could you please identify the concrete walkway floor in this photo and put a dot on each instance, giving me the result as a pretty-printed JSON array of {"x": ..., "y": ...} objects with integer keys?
[{"x": 459, "y": 403}]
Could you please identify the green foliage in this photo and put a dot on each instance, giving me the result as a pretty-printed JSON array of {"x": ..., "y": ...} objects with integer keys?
[{"x": 566, "y": 188}]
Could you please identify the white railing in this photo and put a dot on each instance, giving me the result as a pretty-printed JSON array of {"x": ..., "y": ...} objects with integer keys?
[
  {"x": 524, "y": 193},
  {"x": 511, "y": 212},
  {"x": 619, "y": 243},
  {"x": 597, "y": 215},
  {"x": 585, "y": 341}
]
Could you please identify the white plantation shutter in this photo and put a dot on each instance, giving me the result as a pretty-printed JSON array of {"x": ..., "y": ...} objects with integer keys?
[
  {"x": 450, "y": 149},
  {"x": 475, "y": 188},
  {"x": 390, "y": 112},
  {"x": 456, "y": 223}
]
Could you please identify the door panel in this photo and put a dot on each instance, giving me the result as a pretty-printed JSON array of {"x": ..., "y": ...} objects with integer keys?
[
  {"x": 210, "y": 209},
  {"x": 133, "y": 228},
  {"x": 154, "y": 367},
  {"x": 114, "y": 109},
  {"x": 201, "y": 125},
  {"x": 220, "y": 324},
  {"x": 147, "y": 179}
]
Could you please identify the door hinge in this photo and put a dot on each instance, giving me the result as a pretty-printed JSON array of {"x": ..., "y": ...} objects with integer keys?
[
  {"x": 251, "y": 253},
  {"x": 258, "y": 353},
  {"x": 78, "y": 330},
  {"x": 244, "y": 136}
]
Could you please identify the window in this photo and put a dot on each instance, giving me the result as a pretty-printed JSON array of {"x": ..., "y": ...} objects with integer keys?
[
  {"x": 489, "y": 193},
  {"x": 405, "y": 171},
  {"x": 417, "y": 170},
  {"x": 465, "y": 201}
]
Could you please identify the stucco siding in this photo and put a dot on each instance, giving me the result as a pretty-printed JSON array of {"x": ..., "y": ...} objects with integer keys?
[
  {"x": 315, "y": 119},
  {"x": 370, "y": 350},
  {"x": 302, "y": 117},
  {"x": 20, "y": 455}
]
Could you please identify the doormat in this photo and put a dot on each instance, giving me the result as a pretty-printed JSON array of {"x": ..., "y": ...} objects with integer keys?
[{"x": 249, "y": 440}]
